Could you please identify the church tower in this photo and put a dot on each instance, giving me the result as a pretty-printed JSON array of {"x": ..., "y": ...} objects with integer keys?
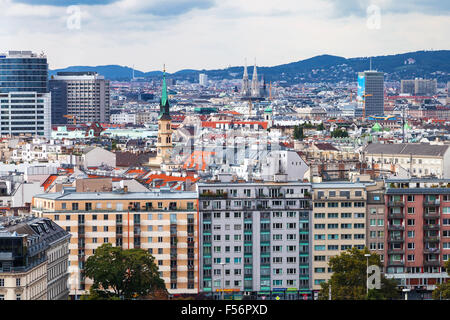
[
  {"x": 164, "y": 145},
  {"x": 245, "y": 82},
  {"x": 255, "y": 83}
]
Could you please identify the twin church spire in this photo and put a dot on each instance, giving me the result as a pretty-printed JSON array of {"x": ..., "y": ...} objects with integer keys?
[{"x": 252, "y": 90}]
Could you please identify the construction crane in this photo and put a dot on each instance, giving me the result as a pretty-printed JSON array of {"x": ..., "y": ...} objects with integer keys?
[
  {"x": 364, "y": 107},
  {"x": 71, "y": 116}
]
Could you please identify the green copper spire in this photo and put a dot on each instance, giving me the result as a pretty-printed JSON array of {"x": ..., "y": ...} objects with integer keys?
[{"x": 164, "y": 105}]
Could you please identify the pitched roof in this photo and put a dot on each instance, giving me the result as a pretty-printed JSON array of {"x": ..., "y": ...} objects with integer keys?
[{"x": 422, "y": 149}]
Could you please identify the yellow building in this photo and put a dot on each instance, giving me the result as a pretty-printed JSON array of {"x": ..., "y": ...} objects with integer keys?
[
  {"x": 163, "y": 222},
  {"x": 338, "y": 223}
]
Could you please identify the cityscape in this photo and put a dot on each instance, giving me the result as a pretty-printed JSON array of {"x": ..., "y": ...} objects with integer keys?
[{"x": 324, "y": 178}]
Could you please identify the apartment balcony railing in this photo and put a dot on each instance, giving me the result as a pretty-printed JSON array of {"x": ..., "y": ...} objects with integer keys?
[
  {"x": 396, "y": 262},
  {"x": 396, "y": 239},
  {"x": 396, "y": 203},
  {"x": 431, "y": 203},
  {"x": 431, "y": 238},
  {"x": 396, "y": 227},
  {"x": 431, "y": 251},
  {"x": 396, "y": 251},
  {"x": 214, "y": 195},
  {"x": 431, "y": 227},
  {"x": 431, "y": 214},
  {"x": 432, "y": 263},
  {"x": 395, "y": 215}
]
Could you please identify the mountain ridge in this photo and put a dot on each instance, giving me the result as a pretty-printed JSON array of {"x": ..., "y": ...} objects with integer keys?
[{"x": 321, "y": 68}]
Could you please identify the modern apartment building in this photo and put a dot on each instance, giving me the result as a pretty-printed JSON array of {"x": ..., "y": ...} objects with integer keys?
[
  {"x": 255, "y": 239},
  {"x": 417, "y": 232},
  {"x": 164, "y": 222},
  {"x": 370, "y": 94},
  {"x": 87, "y": 93},
  {"x": 414, "y": 159},
  {"x": 338, "y": 223},
  {"x": 375, "y": 221},
  {"x": 24, "y": 99},
  {"x": 33, "y": 259}
]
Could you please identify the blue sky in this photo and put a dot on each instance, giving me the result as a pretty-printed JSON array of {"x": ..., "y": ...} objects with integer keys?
[{"x": 217, "y": 33}]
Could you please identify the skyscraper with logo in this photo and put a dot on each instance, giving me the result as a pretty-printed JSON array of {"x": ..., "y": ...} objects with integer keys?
[
  {"x": 371, "y": 93},
  {"x": 24, "y": 98}
]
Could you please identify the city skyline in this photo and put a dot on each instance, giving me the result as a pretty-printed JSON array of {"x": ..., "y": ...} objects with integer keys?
[{"x": 148, "y": 33}]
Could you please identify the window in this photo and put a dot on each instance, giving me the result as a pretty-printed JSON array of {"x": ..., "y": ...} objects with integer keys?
[
  {"x": 18, "y": 296},
  {"x": 319, "y": 215},
  {"x": 411, "y": 210},
  {"x": 411, "y": 234},
  {"x": 333, "y": 215},
  {"x": 359, "y": 215},
  {"x": 333, "y": 237},
  {"x": 319, "y": 237},
  {"x": 319, "y": 248},
  {"x": 411, "y": 222},
  {"x": 2, "y": 282},
  {"x": 410, "y": 198},
  {"x": 411, "y": 245},
  {"x": 346, "y": 215}
]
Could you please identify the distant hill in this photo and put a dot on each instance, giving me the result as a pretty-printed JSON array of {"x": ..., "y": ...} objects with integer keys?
[{"x": 323, "y": 68}]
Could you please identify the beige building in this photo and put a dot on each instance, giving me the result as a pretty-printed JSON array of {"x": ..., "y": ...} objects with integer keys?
[
  {"x": 163, "y": 222},
  {"x": 33, "y": 259},
  {"x": 338, "y": 223},
  {"x": 417, "y": 159}
]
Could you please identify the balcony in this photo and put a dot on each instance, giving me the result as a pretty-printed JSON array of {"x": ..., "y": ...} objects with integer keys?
[
  {"x": 431, "y": 227},
  {"x": 396, "y": 239},
  {"x": 396, "y": 227},
  {"x": 432, "y": 203},
  {"x": 396, "y": 215},
  {"x": 396, "y": 203},
  {"x": 431, "y": 214},
  {"x": 432, "y": 263},
  {"x": 431, "y": 251},
  {"x": 396, "y": 251},
  {"x": 396, "y": 263},
  {"x": 212, "y": 195},
  {"x": 431, "y": 238}
]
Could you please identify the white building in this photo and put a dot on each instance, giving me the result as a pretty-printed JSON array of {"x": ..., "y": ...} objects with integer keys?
[
  {"x": 282, "y": 166},
  {"x": 203, "y": 79}
]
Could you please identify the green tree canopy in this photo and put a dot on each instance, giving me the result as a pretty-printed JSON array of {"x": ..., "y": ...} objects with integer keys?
[
  {"x": 349, "y": 278},
  {"x": 123, "y": 273},
  {"x": 298, "y": 133},
  {"x": 442, "y": 290},
  {"x": 339, "y": 133}
]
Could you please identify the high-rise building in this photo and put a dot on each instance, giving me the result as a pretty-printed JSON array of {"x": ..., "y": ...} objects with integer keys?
[
  {"x": 255, "y": 239},
  {"x": 59, "y": 101},
  {"x": 419, "y": 87},
  {"x": 371, "y": 93},
  {"x": 203, "y": 79},
  {"x": 87, "y": 93},
  {"x": 24, "y": 98}
]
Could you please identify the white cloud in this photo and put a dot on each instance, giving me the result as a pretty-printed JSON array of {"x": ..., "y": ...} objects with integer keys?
[{"x": 199, "y": 35}]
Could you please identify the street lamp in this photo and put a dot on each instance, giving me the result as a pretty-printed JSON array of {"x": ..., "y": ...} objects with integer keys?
[
  {"x": 223, "y": 277},
  {"x": 406, "y": 290},
  {"x": 367, "y": 255}
]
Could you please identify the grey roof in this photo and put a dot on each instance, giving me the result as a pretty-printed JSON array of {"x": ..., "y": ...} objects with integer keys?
[{"x": 422, "y": 149}]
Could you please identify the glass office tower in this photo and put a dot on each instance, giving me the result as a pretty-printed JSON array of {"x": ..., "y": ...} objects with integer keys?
[
  {"x": 24, "y": 99},
  {"x": 370, "y": 94}
]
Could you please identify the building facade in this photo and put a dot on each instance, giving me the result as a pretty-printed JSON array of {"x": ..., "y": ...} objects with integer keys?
[
  {"x": 163, "y": 222},
  {"x": 255, "y": 239},
  {"x": 24, "y": 98},
  {"x": 417, "y": 232},
  {"x": 88, "y": 96},
  {"x": 338, "y": 223},
  {"x": 371, "y": 93},
  {"x": 33, "y": 259}
]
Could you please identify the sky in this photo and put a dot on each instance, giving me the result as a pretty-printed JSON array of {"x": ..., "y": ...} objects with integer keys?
[{"x": 215, "y": 34}]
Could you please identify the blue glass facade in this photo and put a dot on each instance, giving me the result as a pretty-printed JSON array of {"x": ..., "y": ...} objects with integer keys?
[{"x": 23, "y": 74}]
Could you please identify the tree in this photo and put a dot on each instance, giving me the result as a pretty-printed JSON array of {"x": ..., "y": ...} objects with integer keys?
[
  {"x": 124, "y": 274},
  {"x": 442, "y": 290},
  {"x": 349, "y": 278},
  {"x": 298, "y": 133},
  {"x": 339, "y": 133},
  {"x": 320, "y": 127}
]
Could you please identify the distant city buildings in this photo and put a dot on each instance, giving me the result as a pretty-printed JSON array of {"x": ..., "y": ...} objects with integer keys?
[
  {"x": 203, "y": 79},
  {"x": 419, "y": 87},
  {"x": 87, "y": 97}
]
